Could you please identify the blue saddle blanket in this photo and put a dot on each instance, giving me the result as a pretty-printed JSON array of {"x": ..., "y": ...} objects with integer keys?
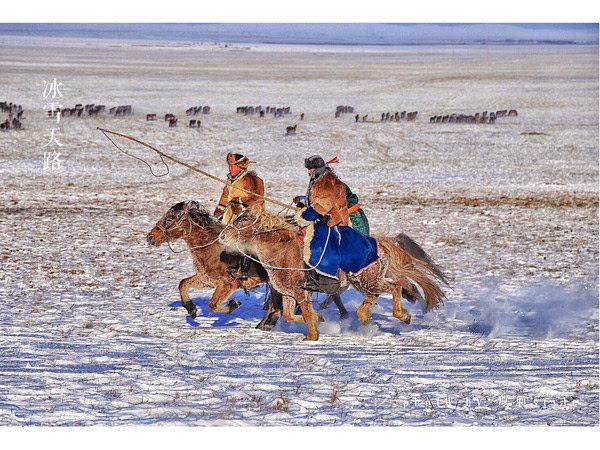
[{"x": 340, "y": 247}]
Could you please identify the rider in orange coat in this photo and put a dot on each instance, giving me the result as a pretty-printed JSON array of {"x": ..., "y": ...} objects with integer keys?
[{"x": 244, "y": 190}]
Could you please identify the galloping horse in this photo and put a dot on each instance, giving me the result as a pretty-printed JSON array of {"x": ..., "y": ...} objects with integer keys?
[
  {"x": 200, "y": 231},
  {"x": 402, "y": 266}
]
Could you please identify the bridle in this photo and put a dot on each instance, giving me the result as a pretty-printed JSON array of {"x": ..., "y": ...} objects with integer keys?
[{"x": 179, "y": 225}]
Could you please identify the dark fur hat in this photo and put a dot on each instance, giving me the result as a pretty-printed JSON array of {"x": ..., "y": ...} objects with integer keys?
[{"x": 314, "y": 162}]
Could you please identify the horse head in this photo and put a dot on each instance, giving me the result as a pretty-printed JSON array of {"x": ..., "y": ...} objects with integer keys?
[{"x": 180, "y": 221}]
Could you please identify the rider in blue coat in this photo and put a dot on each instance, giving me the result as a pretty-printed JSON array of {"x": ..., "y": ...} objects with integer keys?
[{"x": 330, "y": 243}]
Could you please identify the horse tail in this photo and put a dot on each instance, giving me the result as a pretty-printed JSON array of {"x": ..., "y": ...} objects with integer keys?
[
  {"x": 416, "y": 251},
  {"x": 434, "y": 296},
  {"x": 417, "y": 272}
]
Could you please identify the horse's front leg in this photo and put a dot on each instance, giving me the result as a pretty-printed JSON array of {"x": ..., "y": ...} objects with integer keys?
[
  {"x": 184, "y": 293},
  {"x": 289, "y": 306},
  {"x": 274, "y": 307},
  {"x": 310, "y": 317},
  {"x": 337, "y": 299},
  {"x": 223, "y": 291}
]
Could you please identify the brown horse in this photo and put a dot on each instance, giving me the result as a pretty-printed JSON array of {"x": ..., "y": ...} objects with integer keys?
[
  {"x": 402, "y": 266},
  {"x": 273, "y": 242},
  {"x": 200, "y": 231}
]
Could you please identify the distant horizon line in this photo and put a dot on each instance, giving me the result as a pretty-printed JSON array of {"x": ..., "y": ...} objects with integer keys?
[
  {"x": 476, "y": 42},
  {"x": 320, "y": 34}
]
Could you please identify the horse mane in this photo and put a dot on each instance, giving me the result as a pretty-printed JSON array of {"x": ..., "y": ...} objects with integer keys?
[
  {"x": 203, "y": 218},
  {"x": 199, "y": 215},
  {"x": 267, "y": 221}
]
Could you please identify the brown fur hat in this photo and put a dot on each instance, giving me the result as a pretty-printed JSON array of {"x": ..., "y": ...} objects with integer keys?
[{"x": 238, "y": 160}]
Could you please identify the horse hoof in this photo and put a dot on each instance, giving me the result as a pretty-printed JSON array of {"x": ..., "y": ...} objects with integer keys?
[
  {"x": 265, "y": 326},
  {"x": 311, "y": 338},
  {"x": 320, "y": 318},
  {"x": 232, "y": 305},
  {"x": 193, "y": 314},
  {"x": 405, "y": 319},
  {"x": 344, "y": 315}
]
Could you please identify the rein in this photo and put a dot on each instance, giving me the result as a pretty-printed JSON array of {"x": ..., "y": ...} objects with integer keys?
[
  {"x": 178, "y": 224},
  {"x": 164, "y": 156}
]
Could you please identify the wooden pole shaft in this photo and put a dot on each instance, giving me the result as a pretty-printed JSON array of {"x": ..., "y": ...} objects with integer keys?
[{"x": 195, "y": 169}]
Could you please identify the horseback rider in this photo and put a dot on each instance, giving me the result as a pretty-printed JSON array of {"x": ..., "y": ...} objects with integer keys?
[
  {"x": 243, "y": 190},
  {"x": 358, "y": 218},
  {"x": 330, "y": 242}
]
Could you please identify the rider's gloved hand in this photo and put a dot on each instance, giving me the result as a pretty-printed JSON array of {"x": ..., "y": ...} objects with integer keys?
[
  {"x": 300, "y": 221},
  {"x": 300, "y": 201},
  {"x": 310, "y": 214}
]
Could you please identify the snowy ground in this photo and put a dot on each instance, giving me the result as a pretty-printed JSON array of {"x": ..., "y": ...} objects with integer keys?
[{"x": 90, "y": 328}]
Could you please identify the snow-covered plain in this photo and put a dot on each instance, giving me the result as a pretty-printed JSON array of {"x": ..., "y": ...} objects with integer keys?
[{"x": 91, "y": 331}]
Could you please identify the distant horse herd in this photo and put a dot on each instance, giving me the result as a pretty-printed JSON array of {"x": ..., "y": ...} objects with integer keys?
[
  {"x": 191, "y": 111},
  {"x": 483, "y": 117},
  {"x": 195, "y": 110},
  {"x": 90, "y": 110},
  {"x": 15, "y": 114},
  {"x": 343, "y": 109},
  {"x": 261, "y": 111},
  {"x": 398, "y": 116}
]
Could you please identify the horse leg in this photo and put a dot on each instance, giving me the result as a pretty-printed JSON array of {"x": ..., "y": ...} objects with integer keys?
[
  {"x": 289, "y": 306},
  {"x": 337, "y": 299},
  {"x": 399, "y": 312},
  {"x": 308, "y": 313},
  {"x": 220, "y": 296},
  {"x": 274, "y": 306},
  {"x": 364, "y": 310},
  {"x": 184, "y": 293},
  {"x": 341, "y": 308}
]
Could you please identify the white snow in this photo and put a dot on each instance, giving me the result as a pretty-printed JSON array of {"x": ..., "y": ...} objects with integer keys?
[{"x": 91, "y": 331}]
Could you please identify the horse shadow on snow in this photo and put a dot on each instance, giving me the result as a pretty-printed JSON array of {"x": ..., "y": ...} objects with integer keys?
[{"x": 251, "y": 312}]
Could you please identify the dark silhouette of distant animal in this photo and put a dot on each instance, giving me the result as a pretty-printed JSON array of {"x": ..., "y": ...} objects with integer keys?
[{"x": 343, "y": 109}]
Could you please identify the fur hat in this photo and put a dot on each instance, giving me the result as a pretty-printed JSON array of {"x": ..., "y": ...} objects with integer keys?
[
  {"x": 314, "y": 162},
  {"x": 236, "y": 159}
]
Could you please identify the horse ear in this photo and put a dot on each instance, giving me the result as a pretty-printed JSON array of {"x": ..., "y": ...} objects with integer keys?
[{"x": 195, "y": 204}]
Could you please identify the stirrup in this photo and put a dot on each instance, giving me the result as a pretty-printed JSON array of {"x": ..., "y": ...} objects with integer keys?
[{"x": 236, "y": 273}]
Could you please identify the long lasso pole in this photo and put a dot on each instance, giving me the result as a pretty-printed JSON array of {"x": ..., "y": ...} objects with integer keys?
[{"x": 195, "y": 169}]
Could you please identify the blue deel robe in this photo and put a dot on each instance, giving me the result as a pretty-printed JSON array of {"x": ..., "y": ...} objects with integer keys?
[{"x": 346, "y": 248}]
